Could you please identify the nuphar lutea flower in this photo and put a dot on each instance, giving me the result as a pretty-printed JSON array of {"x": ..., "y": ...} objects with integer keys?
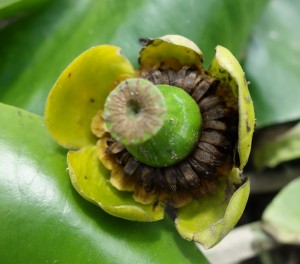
[{"x": 167, "y": 134}]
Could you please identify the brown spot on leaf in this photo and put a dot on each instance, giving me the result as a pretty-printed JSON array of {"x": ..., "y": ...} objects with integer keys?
[
  {"x": 248, "y": 126},
  {"x": 92, "y": 100},
  {"x": 69, "y": 75}
]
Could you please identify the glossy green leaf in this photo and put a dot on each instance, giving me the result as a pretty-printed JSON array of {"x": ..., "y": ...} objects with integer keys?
[
  {"x": 284, "y": 147},
  {"x": 6, "y": 3},
  {"x": 282, "y": 216},
  {"x": 211, "y": 218},
  {"x": 44, "y": 220},
  {"x": 18, "y": 7},
  {"x": 38, "y": 48},
  {"x": 273, "y": 65}
]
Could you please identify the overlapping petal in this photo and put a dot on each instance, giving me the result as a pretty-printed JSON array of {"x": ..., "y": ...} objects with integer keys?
[
  {"x": 211, "y": 218},
  {"x": 228, "y": 70},
  {"x": 170, "y": 51},
  {"x": 208, "y": 220},
  {"x": 91, "y": 180},
  {"x": 81, "y": 91}
]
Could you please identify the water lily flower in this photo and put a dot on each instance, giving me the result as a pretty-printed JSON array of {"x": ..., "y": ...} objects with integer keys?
[{"x": 169, "y": 134}]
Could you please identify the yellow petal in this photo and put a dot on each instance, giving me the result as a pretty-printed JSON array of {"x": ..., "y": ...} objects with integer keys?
[
  {"x": 171, "y": 51},
  {"x": 80, "y": 92},
  {"x": 91, "y": 180},
  {"x": 228, "y": 70},
  {"x": 209, "y": 219}
]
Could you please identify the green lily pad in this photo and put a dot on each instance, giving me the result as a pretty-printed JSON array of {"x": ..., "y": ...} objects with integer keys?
[
  {"x": 282, "y": 216},
  {"x": 56, "y": 34},
  {"x": 208, "y": 220},
  {"x": 284, "y": 147},
  {"x": 19, "y": 7},
  {"x": 273, "y": 65},
  {"x": 44, "y": 220},
  {"x": 6, "y": 3}
]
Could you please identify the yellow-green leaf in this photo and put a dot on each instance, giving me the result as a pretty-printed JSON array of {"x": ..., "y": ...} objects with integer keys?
[
  {"x": 283, "y": 148},
  {"x": 281, "y": 217}
]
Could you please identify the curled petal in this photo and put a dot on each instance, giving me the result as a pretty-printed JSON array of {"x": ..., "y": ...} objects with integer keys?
[
  {"x": 177, "y": 199},
  {"x": 105, "y": 158},
  {"x": 118, "y": 181},
  {"x": 91, "y": 180},
  {"x": 170, "y": 51},
  {"x": 80, "y": 92},
  {"x": 117, "y": 178},
  {"x": 98, "y": 127},
  {"x": 228, "y": 70},
  {"x": 209, "y": 219},
  {"x": 141, "y": 196}
]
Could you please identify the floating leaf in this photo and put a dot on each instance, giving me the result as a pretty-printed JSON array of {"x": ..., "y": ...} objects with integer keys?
[
  {"x": 19, "y": 7},
  {"x": 40, "y": 46},
  {"x": 273, "y": 64},
  {"x": 284, "y": 147},
  {"x": 44, "y": 220},
  {"x": 282, "y": 217}
]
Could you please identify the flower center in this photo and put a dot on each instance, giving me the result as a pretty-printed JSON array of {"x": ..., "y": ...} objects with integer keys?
[
  {"x": 211, "y": 158},
  {"x": 134, "y": 111},
  {"x": 133, "y": 108},
  {"x": 159, "y": 125}
]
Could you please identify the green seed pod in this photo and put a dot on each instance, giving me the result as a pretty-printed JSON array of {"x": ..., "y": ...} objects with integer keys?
[
  {"x": 134, "y": 111},
  {"x": 164, "y": 126}
]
